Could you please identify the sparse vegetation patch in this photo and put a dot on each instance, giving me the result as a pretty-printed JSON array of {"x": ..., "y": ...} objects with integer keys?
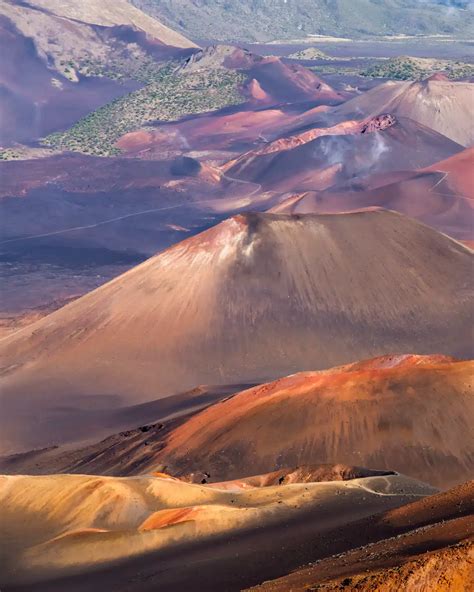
[
  {"x": 409, "y": 68},
  {"x": 168, "y": 97}
]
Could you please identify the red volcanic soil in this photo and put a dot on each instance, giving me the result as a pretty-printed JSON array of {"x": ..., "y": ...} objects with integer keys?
[
  {"x": 257, "y": 296},
  {"x": 165, "y": 518},
  {"x": 288, "y": 143},
  {"x": 269, "y": 82},
  {"x": 459, "y": 172},
  {"x": 292, "y": 82},
  {"x": 358, "y": 149},
  {"x": 387, "y": 412},
  {"x": 256, "y": 92},
  {"x": 211, "y": 132},
  {"x": 439, "y": 77},
  {"x": 440, "y": 195},
  {"x": 278, "y": 80},
  {"x": 236, "y": 130}
]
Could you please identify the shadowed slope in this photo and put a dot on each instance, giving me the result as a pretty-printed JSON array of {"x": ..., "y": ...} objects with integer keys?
[
  {"x": 436, "y": 558},
  {"x": 427, "y": 557},
  {"x": 63, "y": 49},
  {"x": 255, "y": 297},
  {"x": 78, "y": 524}
]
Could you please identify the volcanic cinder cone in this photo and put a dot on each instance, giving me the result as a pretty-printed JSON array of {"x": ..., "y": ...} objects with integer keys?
[
  {"x": 445, "y": 107},
  {"x": 255, "y": 297},
  {"x": 410, "y": 413},
  {"x": 441, "y": 195},
  {"x": 344, "y": 153}
]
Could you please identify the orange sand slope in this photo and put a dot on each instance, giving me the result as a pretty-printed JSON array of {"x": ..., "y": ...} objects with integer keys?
[
  {"x": 409, "y": 413},
  {"x": 255, "y": 297},
  {"x": 383, "y": 413},
  {"x": 78, "y": 523}
]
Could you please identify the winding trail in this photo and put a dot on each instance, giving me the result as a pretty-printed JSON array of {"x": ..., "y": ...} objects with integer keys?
[
  {"x": 382, "y": 494},
  {"x": 118, "y": 218}
]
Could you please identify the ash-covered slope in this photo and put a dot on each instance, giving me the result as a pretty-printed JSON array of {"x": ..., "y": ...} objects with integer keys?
[
  {"x": 445, "y": 107},
  {"x": 255, "y": 297},
  {"x": 428, "y": 545}
]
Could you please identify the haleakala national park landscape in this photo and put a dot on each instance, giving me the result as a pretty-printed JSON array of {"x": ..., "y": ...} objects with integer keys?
[{"x": 237, "y": 296}]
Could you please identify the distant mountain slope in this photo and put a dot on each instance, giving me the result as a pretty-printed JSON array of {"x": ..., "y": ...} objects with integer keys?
[
  {"x": 264, "y": 20},
  {"x": 257, "y": 296},
  {"x": 211, "y": 79},
  {"x": 69, "y": 55},
  {"x": 443, "y": 106}
]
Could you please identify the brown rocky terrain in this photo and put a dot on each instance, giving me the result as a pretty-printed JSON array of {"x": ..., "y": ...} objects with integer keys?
[{"x": 433, "y": 555}]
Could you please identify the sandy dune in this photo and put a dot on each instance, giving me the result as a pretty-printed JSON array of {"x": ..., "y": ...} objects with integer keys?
[
  {"x": 445, "y": 107},
  {"x": 255, "y": 297},
  {"x": 78, "y": 524}
]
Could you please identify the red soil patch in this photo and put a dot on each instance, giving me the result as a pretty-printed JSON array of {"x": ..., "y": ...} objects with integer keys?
[{"x": 165, "y": 518}]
